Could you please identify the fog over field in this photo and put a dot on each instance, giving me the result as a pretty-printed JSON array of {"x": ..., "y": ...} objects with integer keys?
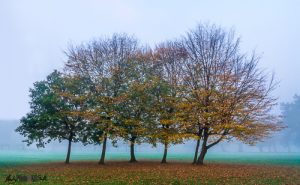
[
  {"x": 12, "y": 142},
  {"x": 34, "y": 34}
]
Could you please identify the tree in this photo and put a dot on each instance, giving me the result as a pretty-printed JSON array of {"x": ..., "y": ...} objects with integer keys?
[
  {"x": 134, "y": 115},
  {"x": 56, "y": 106},
  {"x": 231, "y": 95},
  {"x": 168, "y": 58},
  {"x": 104, "y": 62},
  {"x": 290, "y": 113}
]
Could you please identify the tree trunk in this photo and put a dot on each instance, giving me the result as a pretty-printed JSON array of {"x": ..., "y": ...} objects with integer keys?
[
  {"x": 196, "y": 151},
  {"x": 203, "y": 148},
  {"x": 69, "y": 149},
  {"x": 200, "y": 130},
  {"x": 164, "y": 160},
  {"x": 132, "y": 156},
  {"x": 202, "y": 155},
  {"x": 103, "y": 150}
]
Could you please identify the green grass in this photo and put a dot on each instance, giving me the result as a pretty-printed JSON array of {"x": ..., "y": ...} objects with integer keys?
[{"x": 20, "y": 158}]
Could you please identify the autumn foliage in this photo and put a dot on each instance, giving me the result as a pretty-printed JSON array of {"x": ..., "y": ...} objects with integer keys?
[{"x": 199, "y": 87}]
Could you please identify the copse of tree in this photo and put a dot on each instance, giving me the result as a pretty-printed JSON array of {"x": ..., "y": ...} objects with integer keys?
[
  {"x": 199, "y": 87},
  {"x": 57, "y": 106}
]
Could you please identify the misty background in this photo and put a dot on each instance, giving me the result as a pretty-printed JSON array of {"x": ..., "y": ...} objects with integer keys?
[{"x": 34, "y": 34}]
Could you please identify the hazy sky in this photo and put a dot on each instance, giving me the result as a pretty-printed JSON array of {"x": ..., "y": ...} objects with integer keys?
[{"x": 33, "y": 34}]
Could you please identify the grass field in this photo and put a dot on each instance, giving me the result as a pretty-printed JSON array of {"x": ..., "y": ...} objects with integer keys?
[
  {"x": 220, "y": 168},
  {"x": 156, "y": 173},
  {"x": 13, "y": 158}
]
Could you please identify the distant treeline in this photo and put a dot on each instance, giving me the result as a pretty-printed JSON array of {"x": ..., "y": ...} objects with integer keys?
[{"x": 200, "y": 86}]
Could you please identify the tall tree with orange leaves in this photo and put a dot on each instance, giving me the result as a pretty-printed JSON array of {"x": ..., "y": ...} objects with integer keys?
[{"x": 230, "y": 93}]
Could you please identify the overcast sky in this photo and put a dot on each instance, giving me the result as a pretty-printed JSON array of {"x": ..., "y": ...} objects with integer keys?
[{"x": 34, "y": 33}]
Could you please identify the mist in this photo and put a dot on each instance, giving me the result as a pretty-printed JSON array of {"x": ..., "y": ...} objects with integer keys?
[
  {"x": 34, "y": 35},
  {"x": 12, "y": 142}
]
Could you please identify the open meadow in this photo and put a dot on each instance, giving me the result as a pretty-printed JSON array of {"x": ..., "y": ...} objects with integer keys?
[
  {"x": 221, "y": 168},
  {"x": 120, "y": 172}
]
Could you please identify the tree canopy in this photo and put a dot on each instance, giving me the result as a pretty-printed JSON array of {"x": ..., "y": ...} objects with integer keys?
[
  {"x": 200, "y": 87},
  {"x": 57, "y": 109}
]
